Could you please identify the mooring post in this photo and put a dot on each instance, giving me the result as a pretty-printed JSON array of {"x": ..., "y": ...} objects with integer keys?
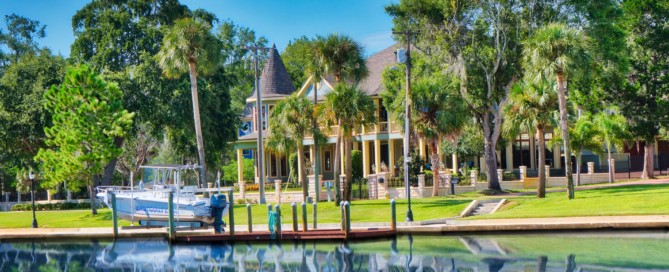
[
  {"x": 315, "y": 215},
  {"x": 304, "y": 216},
  {"x": 231, "y": 213},
  {"x": 114, "y": 214},
  {"x": 170, "y": 212},
  {"x": 341, "y": 211},
  {"x": 347, "y": 212},
  {"x": 393, "y": 215},
  {"x": 293, "y": 206},
  {"x": 277, "y": 227},
  {"x": 269, "y": 208},
  {"x": 248, "y": 215}
]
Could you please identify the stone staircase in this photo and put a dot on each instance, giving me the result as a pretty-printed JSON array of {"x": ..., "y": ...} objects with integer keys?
[{"x": 482, "y": 207}]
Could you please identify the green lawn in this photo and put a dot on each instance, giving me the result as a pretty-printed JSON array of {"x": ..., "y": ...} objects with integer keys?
[{"x": 628, "y": 200}]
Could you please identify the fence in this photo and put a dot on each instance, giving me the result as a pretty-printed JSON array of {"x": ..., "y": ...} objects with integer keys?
[{"x": 359, "y": 189}]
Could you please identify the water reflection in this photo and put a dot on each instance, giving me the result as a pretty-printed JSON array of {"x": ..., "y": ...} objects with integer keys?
[{"x": 563, "y": 252}]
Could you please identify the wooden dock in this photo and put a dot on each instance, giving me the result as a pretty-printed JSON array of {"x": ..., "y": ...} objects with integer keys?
[{"x": 324, "y": 234}]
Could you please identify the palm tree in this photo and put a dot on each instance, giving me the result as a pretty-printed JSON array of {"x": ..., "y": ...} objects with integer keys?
[
  {"x": 189, "y": 46},
  {"x": 532, "y": 108},
  {"x": 556, "y": 49},
  {"x": 341, "y": 57},
  {"x": 292, "y": 119},
  {"x": 612, "y": 129},
  {"x": 583, "y": 136},
  {"x": 352, "y": 109}
]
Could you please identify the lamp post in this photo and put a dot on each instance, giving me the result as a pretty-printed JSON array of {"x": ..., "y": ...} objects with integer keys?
[
  {"x": 407, "y": 122},
  {"x": 31, "y": 176}
]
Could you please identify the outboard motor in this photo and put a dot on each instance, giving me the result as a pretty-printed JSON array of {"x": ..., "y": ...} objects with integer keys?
[{"x": 218, "y": 204}]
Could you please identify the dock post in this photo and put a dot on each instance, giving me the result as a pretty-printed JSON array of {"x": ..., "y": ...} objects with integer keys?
[
  {"x": 315, "y": 215},
  {"x": 293, "y": 207},
  {"x": 341, "y": 212},
  {"x": 347, "y": 213},
  {"x": 393, "y": 215},
  {"x": 248, "y": 215},
  {"x": 304, "y": 216},
  {"x": 114, "y": 214},
  {"x": 231, "y": 213},
  {"x": 269, "y": 208},
  {"x": 277, "y": 228},
  {"x": 170, "y": 212}
]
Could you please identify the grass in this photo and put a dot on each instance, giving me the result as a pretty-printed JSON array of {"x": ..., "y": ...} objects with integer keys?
[{"x": 628, "y": 200}]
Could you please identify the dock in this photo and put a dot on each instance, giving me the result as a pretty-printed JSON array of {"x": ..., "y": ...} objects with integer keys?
[{"x": 319, "y": 234}]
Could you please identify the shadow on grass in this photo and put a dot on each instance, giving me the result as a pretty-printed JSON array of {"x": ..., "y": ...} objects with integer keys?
[{"x": 626, "y": 190}]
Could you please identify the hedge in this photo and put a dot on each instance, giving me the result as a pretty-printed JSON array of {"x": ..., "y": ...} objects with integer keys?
[{"x": 53, "y": 206}]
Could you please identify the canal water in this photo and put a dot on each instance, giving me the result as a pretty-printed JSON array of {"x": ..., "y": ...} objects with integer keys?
[{"x": 612, "y": 251}]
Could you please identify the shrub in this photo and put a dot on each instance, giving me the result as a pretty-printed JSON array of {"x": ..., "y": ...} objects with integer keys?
[
  {"x": 292, "y": 164},
  {"x": 53, "y": 206},
  {"x": 230, "y": 170},
  {"x": 356, "y": 164}
]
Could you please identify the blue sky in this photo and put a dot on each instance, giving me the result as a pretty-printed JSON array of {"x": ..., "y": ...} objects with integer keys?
[{"x": 279, "y": 21}]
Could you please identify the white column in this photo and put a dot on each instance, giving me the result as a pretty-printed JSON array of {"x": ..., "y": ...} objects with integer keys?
[
  {"x": 454, "y": 158},
  {"x": 377, "y": 156},
  {"x": 365, "y": 159},
  {"x": 240, "y": 165},
  {"x": 391, "y": 154}
]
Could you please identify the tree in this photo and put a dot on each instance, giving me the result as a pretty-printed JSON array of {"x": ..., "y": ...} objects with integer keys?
[
  {"x": 230, "y": 171},
  {"x": 437, "y": 109},
  {"x": 292, "y": 120},
  {"x": 478, "y": 41},
  {"x": 341, "y": 57},
  {"x": 612, "y": 128},
  {"x": 20, "y": 38},
  {"x": 532, "y": 108},
  {"x": 352, "y": 109},
  {"x": 87, "y": 114},
  {"x": 647, "y": 83},
  {"x": 298, "y": 56},
  {"x": 22, "y": 117},
  {"x": 115, "y": 38},
  {"x": 189, "y": 46},
  {"x": 558, "y": 50}
]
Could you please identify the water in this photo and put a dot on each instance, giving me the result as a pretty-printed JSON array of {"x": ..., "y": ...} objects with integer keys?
[{"x": 628, "y": 251}]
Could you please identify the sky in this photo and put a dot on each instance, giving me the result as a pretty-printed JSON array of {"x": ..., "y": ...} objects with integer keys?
[{"x": 280, "y": 21}]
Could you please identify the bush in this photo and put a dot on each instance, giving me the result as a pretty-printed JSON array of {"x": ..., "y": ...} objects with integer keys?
[
  {"x": 230, "y": 170},
  {"x": 53, "y": 206},
  {"x": 356, "y": 164}
]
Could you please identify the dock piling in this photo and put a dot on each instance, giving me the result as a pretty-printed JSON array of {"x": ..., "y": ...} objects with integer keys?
[
  {"x": 393, "y": 215},
  {"x": 114, "y": 214},
  {"x": 341, "y": 211},
  {"x": 347, "y": 216},
  {"x": 248, "y": 215},
  {"x": 304, "y": 216},
  {"x": 293, "y": 207},
  {"x": 315, "y": 213},
  {"x": 231, "y": 213},
  {"x": 170, "y": 212}
]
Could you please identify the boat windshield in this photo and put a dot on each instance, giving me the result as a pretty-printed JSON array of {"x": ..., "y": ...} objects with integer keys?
[{"x": 169, "y": 175}]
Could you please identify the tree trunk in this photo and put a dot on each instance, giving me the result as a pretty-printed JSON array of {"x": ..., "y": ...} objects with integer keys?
[
  {"x": 564, "y": 128},
  {"x": 111, "y": 166},
  {"x": 435, "y": 162},
  {"x": 608, "y": 151},
  {"x": 648, "y": 163},
  {"x": 337, "y": 161},
  {"x": 578, "y": 168},
  {"x": 198, "y": 124},
  {"x": 91, "y": 197},
  {"x": 348, "y": 168},
  {"x": 541, "y": 188},
  {"x": 300, "y": 172}
]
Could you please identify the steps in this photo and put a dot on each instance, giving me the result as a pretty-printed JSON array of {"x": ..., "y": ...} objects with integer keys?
[{"x": 482, "y": 207}]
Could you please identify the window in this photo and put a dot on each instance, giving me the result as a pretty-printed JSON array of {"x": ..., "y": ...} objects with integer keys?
[{"x": 328, "y": 160}]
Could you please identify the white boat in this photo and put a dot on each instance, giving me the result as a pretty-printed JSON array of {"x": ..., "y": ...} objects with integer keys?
[{"x": 147, "y": 203}]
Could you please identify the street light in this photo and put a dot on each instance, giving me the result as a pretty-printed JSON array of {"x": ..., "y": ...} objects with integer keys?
[{"x": 32, "y": 194}]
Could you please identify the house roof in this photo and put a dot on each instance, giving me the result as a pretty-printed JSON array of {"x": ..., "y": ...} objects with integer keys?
[
  {"x": 376, "y": 64},
  {"x": 275, "y": 80}
]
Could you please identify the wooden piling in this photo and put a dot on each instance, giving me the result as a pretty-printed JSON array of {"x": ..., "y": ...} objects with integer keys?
[
  {"x": 347, "y": 216},
  {"x": 304, "y": 216},
  {"x": 315, "y": 214},
  {"x": 393, "y": 215},
  {"x": 293, "y": 207},
  {"x": 114, "y": 214},
  {"x": 170, "y": 212},
  {"x": 231, "y": 213},
  {"x": 248, "y": 215},
  {"x": 277, "y": 227}
]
